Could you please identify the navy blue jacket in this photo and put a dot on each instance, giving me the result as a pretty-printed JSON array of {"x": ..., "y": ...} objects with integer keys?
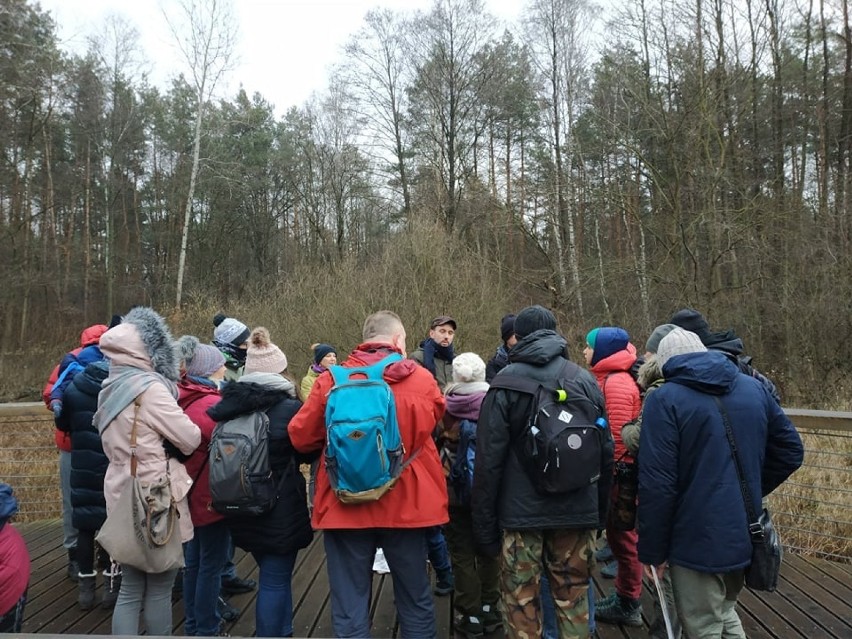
[{"x": 691, "y": 510}]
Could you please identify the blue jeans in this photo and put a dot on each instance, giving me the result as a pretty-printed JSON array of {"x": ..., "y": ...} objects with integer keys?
[
  {"x": 149, "y": 593},
  {"x": 439, "y": 555},
  {"x": 229, "y": 572},
  {"x": 274, "y": 608},
  {"x": 349, "y": 555},
  {"x": 205, "y": 555}
]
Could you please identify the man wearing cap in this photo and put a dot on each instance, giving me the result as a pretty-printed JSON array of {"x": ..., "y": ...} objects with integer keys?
[
  {"x": 692, "y": 514},
  {"x": 531, "y": 531},
  {"x": 435, "y": 353},
  {"x": 501, "y": 357}
]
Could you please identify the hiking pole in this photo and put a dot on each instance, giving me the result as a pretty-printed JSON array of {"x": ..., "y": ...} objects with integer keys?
[{"x": 663, "y": 604}]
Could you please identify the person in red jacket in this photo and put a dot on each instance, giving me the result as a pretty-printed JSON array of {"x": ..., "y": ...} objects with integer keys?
[
  {"x": 398, "y": 522},
  {"x": 14, "y": 565},
  {"x": 206, "y": 553},
  {"x": 90, "y": 336},
  {"x": 611, "y": 356}
]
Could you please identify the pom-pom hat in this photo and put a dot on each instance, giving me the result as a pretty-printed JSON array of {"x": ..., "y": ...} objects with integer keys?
[
  {"x": 229, "y": 330},
  {"x": 263, "y": 356}
]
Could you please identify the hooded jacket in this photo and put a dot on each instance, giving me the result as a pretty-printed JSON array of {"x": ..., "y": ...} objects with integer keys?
[
  {"x": 143, "y": 341},
  {"x": 419, "y": 497},
  {"x": 620, "y": 392},
  {"x": 503, "y": 495},
  {"x": 691, "y": 510},
  {"x": 90, "y": 335},
  {"x": 88, "y": 460},
  {"x": 464, "y": 401},
  {"x": 286, "y": 527}
]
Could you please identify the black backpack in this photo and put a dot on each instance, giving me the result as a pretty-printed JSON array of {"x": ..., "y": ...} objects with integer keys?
[
  {"x": 560, "y": 444},
  {"x": 241, "y": 479}
]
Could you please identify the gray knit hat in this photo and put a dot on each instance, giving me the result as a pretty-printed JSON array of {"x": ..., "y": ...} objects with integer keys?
[
  {"x": 658, "y": 333},
  {"x": 678, "y": 342}
]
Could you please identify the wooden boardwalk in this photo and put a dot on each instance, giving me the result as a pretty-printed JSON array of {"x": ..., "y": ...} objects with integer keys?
[{"x": 814, "y": 599}]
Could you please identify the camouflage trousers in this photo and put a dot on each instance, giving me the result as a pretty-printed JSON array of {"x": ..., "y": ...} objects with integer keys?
[{"x": 567, "y": 556}]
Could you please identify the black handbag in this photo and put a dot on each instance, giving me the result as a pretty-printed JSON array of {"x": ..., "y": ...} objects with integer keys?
[{"x": 766, "y": 549}]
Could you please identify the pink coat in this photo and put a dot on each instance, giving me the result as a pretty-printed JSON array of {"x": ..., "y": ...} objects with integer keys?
[{"x": 159, "y": 418}]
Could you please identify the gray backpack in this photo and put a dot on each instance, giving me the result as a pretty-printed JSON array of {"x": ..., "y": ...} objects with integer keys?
[{"x": 241, "y": 480}]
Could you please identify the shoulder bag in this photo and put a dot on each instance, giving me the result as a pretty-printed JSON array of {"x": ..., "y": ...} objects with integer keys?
[
  {"x": 766, "y": 549},
  {"x": 141, "y": 530}
]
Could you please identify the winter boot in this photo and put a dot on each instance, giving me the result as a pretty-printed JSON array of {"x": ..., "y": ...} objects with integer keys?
[
  {"x": 468, "y": 626},
  {"x": 621, "y": 610},
  {"x": 491, "y": 618},
  {"x": 112, "y": 584},
  {"x": 73, "y": 566},
  {"x": 86, "y": 591}
]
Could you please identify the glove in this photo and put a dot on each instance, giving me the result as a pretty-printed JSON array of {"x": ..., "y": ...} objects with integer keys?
[{"x": 56, "y": 407}]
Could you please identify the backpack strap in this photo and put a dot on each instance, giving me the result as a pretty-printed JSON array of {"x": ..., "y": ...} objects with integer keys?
[{"x": 373, "y": 372}]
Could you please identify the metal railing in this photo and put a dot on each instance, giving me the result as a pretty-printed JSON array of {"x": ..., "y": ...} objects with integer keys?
[{"x": 813, "y": 509}]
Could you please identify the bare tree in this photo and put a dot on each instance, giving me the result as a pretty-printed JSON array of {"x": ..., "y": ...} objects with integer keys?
[{"x": 206, "y": 36}]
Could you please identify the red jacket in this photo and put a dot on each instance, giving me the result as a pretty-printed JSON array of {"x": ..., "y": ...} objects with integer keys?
[
  {"x": 14, "y": 567},
  {"x": 621, "y": 394},
  {"x": 90, "y": 335},
  {"x": 195, "y": 399},
  {"x": 419, "y": 498}
]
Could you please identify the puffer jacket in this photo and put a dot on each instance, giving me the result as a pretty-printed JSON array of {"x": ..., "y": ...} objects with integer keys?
[
  {"x": 419, "y": 497},
  {"x": 195, "y": 398},
  {"x": 691, "y": 510},
  {"x": 139, "y": 341},
  {"x": 621, "y": 394},
  {"x": 503, "y": 495},
  {"x": 88, "y": 461},
  {"x": 308, "y": 382},
  {"x": 287, "y": 526},
  {"x": 14, "y": 558}
]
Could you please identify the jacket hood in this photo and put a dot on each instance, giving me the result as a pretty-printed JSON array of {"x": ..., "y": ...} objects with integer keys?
[
  {"x": 191, "y": 391},
  {"x": 239, "y": 398},
  {"x": 710, "y": 372},
  {"x": 8, "y": 503},
  {"x": 622, "y": 360},
  {"x": 465, "y": 406},
  {"x": 92, "y": 334},
  {"x": 649, "y": 372},
  {"x": 538, "y": 348},
  {"x": 371, "y": 352},
  {"x": 724, "y": 341},
  {"x": 92, "y": 378},
  {"x": 143, "y": 341}
]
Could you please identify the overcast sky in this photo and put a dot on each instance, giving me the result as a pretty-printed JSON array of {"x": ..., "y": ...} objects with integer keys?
[{"x": 284, "y": 47}]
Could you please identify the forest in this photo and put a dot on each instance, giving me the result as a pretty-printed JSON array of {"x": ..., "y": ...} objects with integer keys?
[{"x": 698, "y": 154}]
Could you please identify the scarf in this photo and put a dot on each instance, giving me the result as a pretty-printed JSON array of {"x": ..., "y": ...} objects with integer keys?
[
  {"x": 430, "y": 349},
  {"x": 318, "y": 369},
  {"x": 124, "y": 384},
  {"x": 270, "y": 380}
]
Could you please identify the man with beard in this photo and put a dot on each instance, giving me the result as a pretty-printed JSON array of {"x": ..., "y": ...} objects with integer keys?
[{"x": 436, "y": 351}]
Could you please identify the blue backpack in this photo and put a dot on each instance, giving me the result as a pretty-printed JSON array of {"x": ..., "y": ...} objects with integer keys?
[
  {"x": 364, "y": 450},
  {"x": 461, "y": 471}
]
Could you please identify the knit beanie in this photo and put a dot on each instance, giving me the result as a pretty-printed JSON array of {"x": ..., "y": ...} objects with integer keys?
[
  {"x": 606, "y": 341},
  {"x": 321, "y": 350},
  {"x": 200, "y": 360},
  {"x": 691, "y": 320},
  {"x": 657, "y": 334},
  {"x": 229, "y": 330},
  {"x": 263, "y": 356},
  {"x": 468, "y": 367},
  {"x": 678, "y": 342},
  {"x": 532, "y": 319},
  {"x": 507, "y": 326}
]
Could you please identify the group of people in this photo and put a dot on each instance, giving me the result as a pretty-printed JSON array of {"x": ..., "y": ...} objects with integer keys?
[{"x": 513, "y": 556}]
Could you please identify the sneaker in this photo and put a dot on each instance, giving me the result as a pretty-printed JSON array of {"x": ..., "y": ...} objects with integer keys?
[
  {"x": 237, "y": 586},
  {"x": 469, "y": 626},
  {"x": 610, "y": 570},
  {"x": 603, "y": 554},
  {"x": 444, "y": 583},
  {"x": 606, "y": 601},
  {"x": 624, "y": 611},
  {"x": 491, "y": 618},
  {"x": 226, "y": 611}
]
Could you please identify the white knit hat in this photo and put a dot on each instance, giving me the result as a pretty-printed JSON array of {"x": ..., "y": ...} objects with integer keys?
[
  {"x": 678, "y": 342},
  {"x": 263, "y": 356},
  {"x": 468, "y": 367}
]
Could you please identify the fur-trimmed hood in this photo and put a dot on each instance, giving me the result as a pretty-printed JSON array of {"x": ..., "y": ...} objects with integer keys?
[
  {"x": 142, "y": 340},
  {"x": 649, "y": 372},
  {"x": 239, "y": 398}
]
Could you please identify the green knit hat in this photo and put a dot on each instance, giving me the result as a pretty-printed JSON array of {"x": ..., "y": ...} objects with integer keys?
[{"x": 591, "y": 336}]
